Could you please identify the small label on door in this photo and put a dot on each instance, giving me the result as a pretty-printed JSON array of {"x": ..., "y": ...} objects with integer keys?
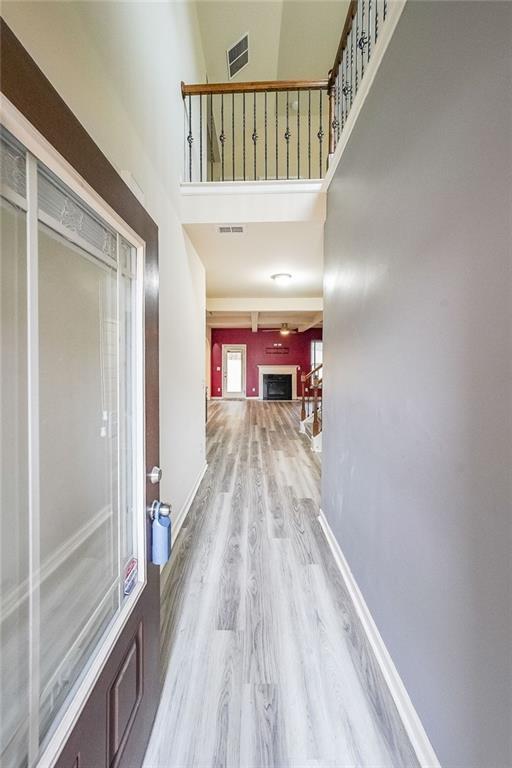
[{"x": 130, "y": 576}]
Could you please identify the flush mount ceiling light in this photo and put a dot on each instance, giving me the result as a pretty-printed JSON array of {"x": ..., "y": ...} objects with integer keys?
[{"x": 282, "y": 278}]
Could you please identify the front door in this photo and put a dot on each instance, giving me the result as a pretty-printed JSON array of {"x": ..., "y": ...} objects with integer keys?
[
  {"x": 79, "y": 599},
  {"x": 233, "y": 370}
]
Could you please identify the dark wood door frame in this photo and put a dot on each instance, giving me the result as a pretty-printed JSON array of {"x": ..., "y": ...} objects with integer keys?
[{"x": 93, "y": 744}]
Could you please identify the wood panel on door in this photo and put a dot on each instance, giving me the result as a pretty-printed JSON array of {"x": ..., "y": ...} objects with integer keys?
[{"x": 115, "y": 723}]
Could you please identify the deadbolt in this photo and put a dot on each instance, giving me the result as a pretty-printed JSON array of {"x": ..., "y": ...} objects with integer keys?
[{"x": 155, "y": 475}]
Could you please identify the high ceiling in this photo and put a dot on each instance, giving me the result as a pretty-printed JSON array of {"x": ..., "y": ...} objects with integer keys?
[{"x": 288, "y": 39}]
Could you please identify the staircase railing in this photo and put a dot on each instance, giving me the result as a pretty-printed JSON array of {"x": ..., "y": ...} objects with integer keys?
[
  {"x": 312, "y": 382},
  {"x": 256, "y": 131},
  {"x": 279, "y": 129},
  {"x": 361, "y": 31}
]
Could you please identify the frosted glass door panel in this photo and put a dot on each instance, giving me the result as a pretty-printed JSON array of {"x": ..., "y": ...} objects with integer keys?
[
  {"x": 78, "y": 331},
  {"x": 234, "y": 379},
  {"x": 14, "y": 528}
]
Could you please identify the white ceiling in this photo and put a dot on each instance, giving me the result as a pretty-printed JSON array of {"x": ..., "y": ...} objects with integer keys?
[
  {"x": 241, "y": 265},
  {"x": 288, "y": 39}
]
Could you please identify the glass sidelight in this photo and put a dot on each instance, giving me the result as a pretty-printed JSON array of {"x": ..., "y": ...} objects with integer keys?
[{"x": 70, "y": 445}]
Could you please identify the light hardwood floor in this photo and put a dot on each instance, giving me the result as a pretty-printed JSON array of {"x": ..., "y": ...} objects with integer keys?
[{"x": 264, "y": 661}]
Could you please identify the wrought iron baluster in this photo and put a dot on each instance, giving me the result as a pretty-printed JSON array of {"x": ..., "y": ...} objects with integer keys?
[
  {"x": 254, "y": 134},
  {"x": 369, "y": 35},
  {"x": 354, "y": 42},
  {"x": 211, "y": 136},
  {"x": 233, "y": 135},
  {"x": 190, "y": 138},
  {"x": 277, "y": 134},
  {"x": 287, "y": 135},
  {"x": 266, "y": 137},
  {"x": 334, "y": 117},
  {"x": 361, "y": 43},
  {"x": 353, "y": 81},
  {"x": 339, "y": 83},
  {"x": 376, "y": 27},
  {"x": 338, "y": 103},
  {"x": 348, "y": 83},
  {"x": 243, "y": 132},
  {"x": 200, "y": 137},
  {"x": 385, "y": 12},
  {"x": 320, "y": 133},
  {"x": 309, "y": 134},
  {"x": 298, "y": 134},
  {"x": 222, "y": 137}
]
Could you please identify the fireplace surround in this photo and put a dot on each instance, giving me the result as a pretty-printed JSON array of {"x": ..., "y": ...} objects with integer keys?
[{"x": 291, "y": 370}]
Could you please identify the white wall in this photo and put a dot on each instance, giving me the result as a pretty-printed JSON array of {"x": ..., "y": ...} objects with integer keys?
[{"x": 118, "y": 66}]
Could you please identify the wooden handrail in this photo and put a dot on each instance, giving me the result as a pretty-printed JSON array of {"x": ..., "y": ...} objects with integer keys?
[
  {"x": 352, "y": 10},
  {"x": 259, "y": 86},
  {"x": 306, "y": 376}
]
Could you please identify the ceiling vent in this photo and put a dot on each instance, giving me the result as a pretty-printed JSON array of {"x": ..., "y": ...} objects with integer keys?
[
  {"x": 231, "y": 229},
  {"x": 238, "y": 56}
]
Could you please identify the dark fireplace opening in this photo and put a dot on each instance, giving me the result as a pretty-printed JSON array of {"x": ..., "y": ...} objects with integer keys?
[{"x": 277, "y": 386}]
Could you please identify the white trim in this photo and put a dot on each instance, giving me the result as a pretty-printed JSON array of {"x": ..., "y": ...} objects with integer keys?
[
  {"x": 34, "y": 677},
  {"x": 251, "y": 187},
  {"x": 408, "y": 715},
  {"x": 178, "y": 519},
  {"x": 290, "y": 369},
  {"x": 238, "y": 348},
  {"x": 386, "y": 31}
]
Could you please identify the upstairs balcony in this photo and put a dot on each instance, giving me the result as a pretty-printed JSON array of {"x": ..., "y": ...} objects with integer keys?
[{"x": 283, "y": 130}]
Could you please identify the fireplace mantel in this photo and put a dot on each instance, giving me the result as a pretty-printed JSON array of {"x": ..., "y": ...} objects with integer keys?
[{"x": 290, "y": 369}]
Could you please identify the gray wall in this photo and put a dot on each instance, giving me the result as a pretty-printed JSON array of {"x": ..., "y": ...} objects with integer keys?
[{"x": 417, "y": 479}]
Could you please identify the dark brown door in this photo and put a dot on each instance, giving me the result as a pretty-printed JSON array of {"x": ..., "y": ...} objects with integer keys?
[{"x": 114, "y": 724}]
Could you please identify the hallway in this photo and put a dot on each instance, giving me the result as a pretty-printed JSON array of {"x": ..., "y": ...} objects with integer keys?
[{"x": 265, "y": 662}]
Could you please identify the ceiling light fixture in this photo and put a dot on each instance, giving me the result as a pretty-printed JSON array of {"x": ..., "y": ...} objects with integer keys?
[{"x": 282, "y": 278}]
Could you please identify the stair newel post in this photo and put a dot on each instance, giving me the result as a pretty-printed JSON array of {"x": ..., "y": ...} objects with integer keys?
[
  {"x": 316, "y": 422},
  {"x": 303, "y": 404}
]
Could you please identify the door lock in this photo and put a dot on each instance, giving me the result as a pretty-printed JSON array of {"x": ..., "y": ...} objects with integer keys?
[{"x": 155, "y": 475}]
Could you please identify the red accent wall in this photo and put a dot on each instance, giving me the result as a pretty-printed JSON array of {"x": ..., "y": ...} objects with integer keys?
[{"x": 258, "y": 344}]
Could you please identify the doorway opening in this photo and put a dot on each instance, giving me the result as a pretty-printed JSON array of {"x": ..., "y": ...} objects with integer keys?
[{"x": 233, "y": 370}]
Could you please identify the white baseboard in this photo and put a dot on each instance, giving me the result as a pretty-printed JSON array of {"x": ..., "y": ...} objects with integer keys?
[
  {"x": 412, "y": 723},
  {"x": 179, "y": 519}
]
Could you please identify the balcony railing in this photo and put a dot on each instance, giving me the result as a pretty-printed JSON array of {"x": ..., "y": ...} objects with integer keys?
[{"x": 279, "y": 129}]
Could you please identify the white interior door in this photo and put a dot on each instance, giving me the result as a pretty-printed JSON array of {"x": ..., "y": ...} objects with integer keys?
[{"x": 233, "y": 370}]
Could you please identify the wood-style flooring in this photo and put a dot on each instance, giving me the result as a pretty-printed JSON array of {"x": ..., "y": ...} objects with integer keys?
[{"x": 265, "y": 662}]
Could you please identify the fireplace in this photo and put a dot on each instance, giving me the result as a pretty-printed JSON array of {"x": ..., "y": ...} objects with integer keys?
[{"x": 277, "y": 386}]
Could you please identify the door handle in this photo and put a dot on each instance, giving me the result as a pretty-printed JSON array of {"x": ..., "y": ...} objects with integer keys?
[{"x": 159, "y": 508}]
